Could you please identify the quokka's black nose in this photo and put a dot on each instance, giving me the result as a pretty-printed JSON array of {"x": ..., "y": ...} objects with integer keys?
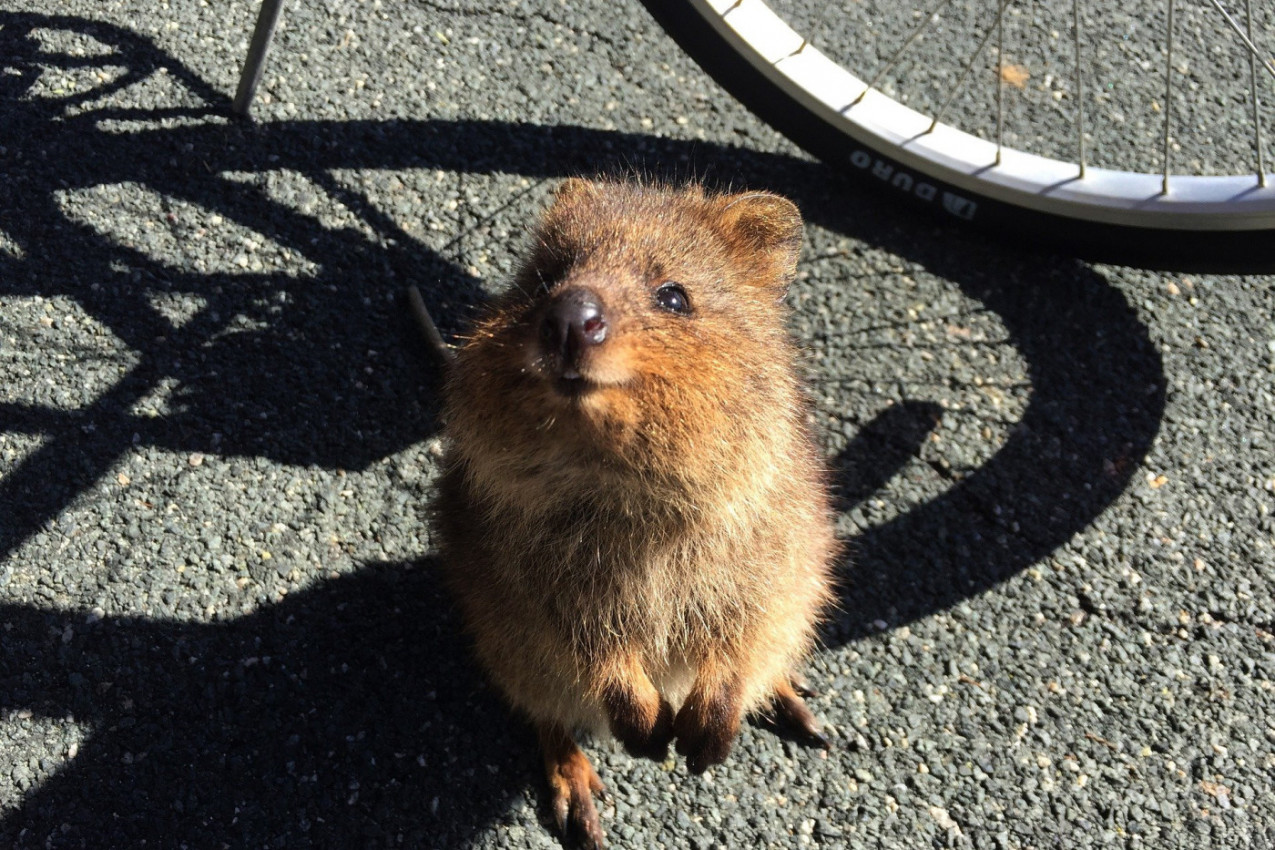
[{"x": 574, "y": 322}]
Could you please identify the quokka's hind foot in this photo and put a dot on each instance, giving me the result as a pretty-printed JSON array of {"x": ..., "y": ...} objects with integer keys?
[
  {"x": 791, "y": 711},
  {"x": 801, "y": 686},
  {"x": 572, "y": 785}
]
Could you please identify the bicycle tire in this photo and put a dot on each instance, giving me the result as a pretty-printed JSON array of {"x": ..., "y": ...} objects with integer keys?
[{"x": 1206, "y": 224}]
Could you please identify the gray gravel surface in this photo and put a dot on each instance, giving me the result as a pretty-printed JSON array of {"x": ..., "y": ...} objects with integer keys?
[{"x": 219, "y": 616}]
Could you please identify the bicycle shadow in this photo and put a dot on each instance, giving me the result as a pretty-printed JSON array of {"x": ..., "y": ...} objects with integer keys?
[
  {"x": 301, "y": 370},
  {"x": 224, "y": 748}
]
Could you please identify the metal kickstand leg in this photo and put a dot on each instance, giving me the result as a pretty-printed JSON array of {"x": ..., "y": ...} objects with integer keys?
[{"x": 253, "y": 65}]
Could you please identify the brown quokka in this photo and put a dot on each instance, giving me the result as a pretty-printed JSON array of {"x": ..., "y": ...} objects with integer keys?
[{"x": 633, "y": 513}]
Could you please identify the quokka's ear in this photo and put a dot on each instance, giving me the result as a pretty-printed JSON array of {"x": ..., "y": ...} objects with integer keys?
[{"x": 768, "y": 228}]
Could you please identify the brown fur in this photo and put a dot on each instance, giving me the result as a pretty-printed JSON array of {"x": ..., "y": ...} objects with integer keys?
[{"x": 648, "y": 554}]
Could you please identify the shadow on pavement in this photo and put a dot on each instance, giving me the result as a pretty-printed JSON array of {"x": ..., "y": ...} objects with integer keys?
[
  {"x": 337, "y": 717},
  {"x": 348, "y": 715},
  {"x": 1097, "y": 397}
]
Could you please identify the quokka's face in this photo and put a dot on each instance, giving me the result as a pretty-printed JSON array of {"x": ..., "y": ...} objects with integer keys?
[
  {"x": 641, "y": 323},
  {"x": 630, "y": 285}
]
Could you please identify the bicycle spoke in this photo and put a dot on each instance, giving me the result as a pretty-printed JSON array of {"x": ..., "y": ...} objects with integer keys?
[
  {"x": 1257, "y": 115},
  {"x": 1168, "y": 100},
  {"x": 978, "y": 51},
  {"x": 1080, "y": 90},
  {"x": 926, "y": 21},
  {"x": 1000, "y": 85},
  {"x": 1268, "y": 63},
  {"x": 1254, "y": 56}
]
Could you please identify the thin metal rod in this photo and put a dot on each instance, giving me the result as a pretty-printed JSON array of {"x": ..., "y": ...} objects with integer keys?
[
  {"x": 1254, "y": 56},
  {"x": 1257, "y": 114},
  {"x": 926, "y": 21},
  {"x": 262, "y": 34},
  {"x": 1000, "y": 85},
  {"x": 1168, "y": 100},
  {"x": 1268, "y": 64},
  {"x": 978, "y": 51},
  {"x": 1080, "y": 89}
]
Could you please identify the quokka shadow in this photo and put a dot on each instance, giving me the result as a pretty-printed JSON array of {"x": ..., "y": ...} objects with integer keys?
[{"x": 348, "y": 715}]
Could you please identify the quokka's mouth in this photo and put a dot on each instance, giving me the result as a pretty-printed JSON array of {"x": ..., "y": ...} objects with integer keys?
[{"x": 572, "y": 384}]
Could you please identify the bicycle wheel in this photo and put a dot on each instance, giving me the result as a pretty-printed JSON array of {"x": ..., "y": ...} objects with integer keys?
[{"x": 1132, "y": 215}]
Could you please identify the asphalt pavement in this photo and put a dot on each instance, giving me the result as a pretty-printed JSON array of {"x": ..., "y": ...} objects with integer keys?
[{"x": 220, "y": 619}]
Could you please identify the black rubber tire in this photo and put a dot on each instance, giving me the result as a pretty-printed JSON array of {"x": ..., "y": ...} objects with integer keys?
[{"x": 1219, "y": 251}]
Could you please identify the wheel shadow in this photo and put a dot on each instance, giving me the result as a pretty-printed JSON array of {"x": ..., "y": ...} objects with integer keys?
[
  {"x": 1097, "y": 399},
  {"x": 368, "y": 711}
]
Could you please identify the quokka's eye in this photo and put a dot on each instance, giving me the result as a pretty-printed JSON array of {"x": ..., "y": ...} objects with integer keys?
[{"x": 672, "y": 297}]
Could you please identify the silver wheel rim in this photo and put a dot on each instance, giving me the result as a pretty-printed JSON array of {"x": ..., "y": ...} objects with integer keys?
[{"x": 907, "y": 149}]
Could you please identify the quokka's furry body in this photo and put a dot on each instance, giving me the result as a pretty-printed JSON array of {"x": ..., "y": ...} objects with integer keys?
[{"x": 633, "y": 515}]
